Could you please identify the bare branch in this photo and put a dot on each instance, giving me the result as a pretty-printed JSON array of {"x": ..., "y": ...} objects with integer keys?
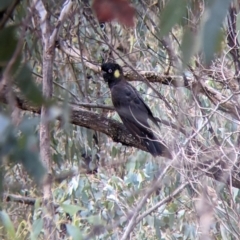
[
  {"x": 75, "y": 53},
  {"x": 43, "y": 17},
  {"x": 164, "y": 201},
  {"x": 64, "y": 13}
]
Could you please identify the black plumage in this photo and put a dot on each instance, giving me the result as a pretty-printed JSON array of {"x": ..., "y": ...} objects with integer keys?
[{"x": 132, "y": 110}]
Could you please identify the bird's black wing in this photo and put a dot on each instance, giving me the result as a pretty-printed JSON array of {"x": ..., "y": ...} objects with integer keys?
[
  {"x": 134, "y": 114},
  {"x": 150, "y": 115},
  {"x": 129, "y": 104}
]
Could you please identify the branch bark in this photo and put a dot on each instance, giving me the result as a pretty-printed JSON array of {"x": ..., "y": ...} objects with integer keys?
[
  {"x": 49, "y": 40},
  {"x": 45, "y": 150},
  {"x": 84, "y": 118}
]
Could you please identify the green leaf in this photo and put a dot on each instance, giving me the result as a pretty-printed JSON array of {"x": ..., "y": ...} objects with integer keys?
[
  {"x": 36, "y": 229},
  {"x": 8, "y": 225},
  {"x": 28, "y": 87},
  {"x": 71, "y": 209},
  {"x": 28, "y": 125},
  {"x": 131, "y": 166},
  {"x": 31, "y": 162},
  {"x": 171, "y": 15},
  {"x": 187, "y": 46},
  {"x": 186, "y": 230},
  {"x": 74, "y": 232},
  {"x": 157, "y": 227},
  {"x": 37, "y": 204},
  {"x": 94, "y": 219},
  {"x": 4, "y": 123},
  {"x": 212, "y": 23},
  {"x": 8, "y": 43},
  {"x": 4, "y": 4}
]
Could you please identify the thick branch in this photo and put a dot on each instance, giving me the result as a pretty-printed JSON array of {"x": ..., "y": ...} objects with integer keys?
[
  {"x": 24, "y": 200},
  {"x": 82, "y": 117},
  {"x": 47, "y": 86}
]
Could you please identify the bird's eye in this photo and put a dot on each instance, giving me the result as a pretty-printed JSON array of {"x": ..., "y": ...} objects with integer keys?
[
  {"x": 102, "y": 26},
  {"x": 110, "y": 70}
]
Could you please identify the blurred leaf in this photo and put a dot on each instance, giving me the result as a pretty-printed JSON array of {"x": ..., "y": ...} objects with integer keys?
[
  {"x": 4, "y": 4},
  {"x": 172, "y": 207},
  {"x": 20, "y": 144},
  {"x": 4, "y": 123},
  {"x": 71, "y": 209},
  {"x": 74, "y": 232},
  {"x": 28, "y": 125},
  {"x": 131, "y": 165},
  {"x": 157, "y": 227},
  {"x": 212, "y": 23},
  {"x": 187, "y": 46},
  {"x": 186, "y": 230},
  {"x": 94, "y": 219},
  {"x": 37, "y": 204},
  {"x": 37, "y": 227},
  {"x": 28, "y": 87},
  {"x": 171, "y": 15},
  {"x": 8, "y": 43},
  {"x": 114, "y": 151},
  {"x": 8, "y": 225},
  {"x": 171, "y": 219},
  {"x": 108, "y": 10},
  {"x": 30, "y": 160},
  {"x": 54, "y": 112}
]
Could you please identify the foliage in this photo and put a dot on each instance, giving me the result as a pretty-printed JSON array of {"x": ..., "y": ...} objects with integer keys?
[{"x": 188, "y": 50}]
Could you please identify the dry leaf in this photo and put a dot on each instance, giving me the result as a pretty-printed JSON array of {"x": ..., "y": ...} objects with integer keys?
[{"x": 108, "y": 10}]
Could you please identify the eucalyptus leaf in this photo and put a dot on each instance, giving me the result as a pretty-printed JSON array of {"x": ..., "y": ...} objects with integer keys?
[
  {"x": 30, "y": 160},
  {"x": 28, "y": 87},
  {"x": 5, "y": 4},
  {"x": 157, "y": 227},
  {"x": 4, "y": 123},
  {"x": 173, "y": 12},
  {"x": 37, "y": 227},
  {"x": 212, "y": 22},
  {"x": 8, "y": 43},
  {"x": 71, "y": 209},
  {"x": 74, "y": 232},
  {"x": 8, "y": 225},
  {"x": 187, "y": 46}
]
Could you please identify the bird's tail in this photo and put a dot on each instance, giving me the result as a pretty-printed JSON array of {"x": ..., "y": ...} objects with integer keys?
[{"x": 155, "y": 147}]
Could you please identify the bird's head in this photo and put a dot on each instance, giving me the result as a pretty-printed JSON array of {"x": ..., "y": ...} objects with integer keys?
[{"x": 112, "y": 72}]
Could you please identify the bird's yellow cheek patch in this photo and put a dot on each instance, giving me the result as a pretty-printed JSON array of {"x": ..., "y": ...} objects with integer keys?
[{"x": 116, "y": 74}]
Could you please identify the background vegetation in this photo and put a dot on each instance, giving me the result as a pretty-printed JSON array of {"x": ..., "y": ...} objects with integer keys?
[{"x": 70, "y": 169}]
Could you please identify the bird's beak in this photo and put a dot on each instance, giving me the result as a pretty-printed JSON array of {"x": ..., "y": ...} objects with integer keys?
[
  {"x": 105, "y": 77},
  {"x": 104, "y": 74}
]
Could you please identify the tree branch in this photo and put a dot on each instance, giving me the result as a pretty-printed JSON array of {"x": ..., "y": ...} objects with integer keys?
[
  {"x": 84, "y": 118},
  {"x": 48, "y": 40},
  {"x": 227, "y": 104},
  {"x": 118, "y": 133}
]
